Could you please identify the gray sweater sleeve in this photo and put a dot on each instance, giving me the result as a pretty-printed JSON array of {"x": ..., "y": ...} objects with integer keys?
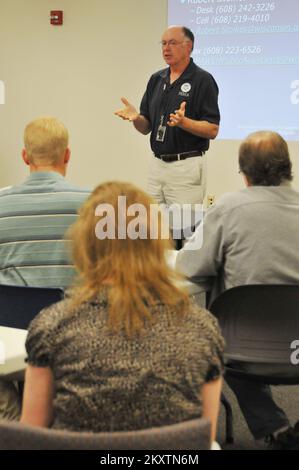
[{"x": 203, "y": 255}]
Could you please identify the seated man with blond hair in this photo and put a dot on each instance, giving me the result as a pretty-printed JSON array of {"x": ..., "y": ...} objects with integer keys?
[{"x": 34, "y": 217}]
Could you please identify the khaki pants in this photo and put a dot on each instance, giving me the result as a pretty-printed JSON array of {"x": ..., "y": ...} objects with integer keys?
[
  {"x": 181, "y": 182},
  {"x": 10, "y": 403},
  {"x": 176, "y": 184}
]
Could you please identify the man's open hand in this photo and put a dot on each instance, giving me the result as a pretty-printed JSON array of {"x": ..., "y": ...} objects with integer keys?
[
  {"x": 128, "y": 113},
  {"x": 176, "y": 118}
]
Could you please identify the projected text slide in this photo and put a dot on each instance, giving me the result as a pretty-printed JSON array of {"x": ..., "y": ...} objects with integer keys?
[{"x": 252, "y": 50}]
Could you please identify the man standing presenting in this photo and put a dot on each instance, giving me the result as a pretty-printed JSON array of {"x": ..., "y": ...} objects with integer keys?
[{"x": 180, "y": 110}]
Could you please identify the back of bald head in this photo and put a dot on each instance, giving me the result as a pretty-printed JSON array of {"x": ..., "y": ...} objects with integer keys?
[{"x": 264, "y": 159}]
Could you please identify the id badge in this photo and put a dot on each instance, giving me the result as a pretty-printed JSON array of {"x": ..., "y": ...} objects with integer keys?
[{"x": 161, "y": 133}]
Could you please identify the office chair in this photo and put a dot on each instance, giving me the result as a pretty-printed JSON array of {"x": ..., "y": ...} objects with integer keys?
[
  {"x": 20, "y": 304},
  {"x": 188, "y": 435},
  {"x": 259, "y": 324}
]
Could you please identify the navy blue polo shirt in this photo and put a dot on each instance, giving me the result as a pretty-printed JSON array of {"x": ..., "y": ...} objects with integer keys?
[{"x": 200, "y": 91}]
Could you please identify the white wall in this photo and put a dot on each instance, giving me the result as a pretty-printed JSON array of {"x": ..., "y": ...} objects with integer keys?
[{"x": 78, "y": 72}]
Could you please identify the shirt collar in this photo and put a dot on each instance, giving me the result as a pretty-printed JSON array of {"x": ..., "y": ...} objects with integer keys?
[
  {"x": 44, "y": 176},
  {"x": 187, "y": 73}
]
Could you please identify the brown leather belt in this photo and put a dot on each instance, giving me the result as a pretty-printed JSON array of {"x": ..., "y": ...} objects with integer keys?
[{"x": 174, "y": 157}]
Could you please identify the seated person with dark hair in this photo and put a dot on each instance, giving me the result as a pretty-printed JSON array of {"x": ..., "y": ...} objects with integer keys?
[{"x": 251, "y": 237}]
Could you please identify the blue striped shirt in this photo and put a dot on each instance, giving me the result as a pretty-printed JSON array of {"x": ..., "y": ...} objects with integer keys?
[{"x": 34, "y": 217}]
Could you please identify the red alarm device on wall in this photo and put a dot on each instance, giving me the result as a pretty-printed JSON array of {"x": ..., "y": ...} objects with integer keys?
[{"x": 56, "y": 17}]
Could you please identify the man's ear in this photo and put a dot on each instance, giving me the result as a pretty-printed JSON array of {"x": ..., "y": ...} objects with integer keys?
[
  {"x": 25, "y": 157},
  {"x": 189, "y": 47},
  {"x": 246, "y": 180},
  {"x": 67, "y": 156}
]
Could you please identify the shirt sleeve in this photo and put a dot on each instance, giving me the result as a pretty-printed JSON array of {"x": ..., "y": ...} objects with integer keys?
[
  {"x": 202, "y": 256},
  {"x": 144, "y": 106},
  {"x": 209, "y": 109},
  {"x": 214, "y": 350},
  {"x": 216, "y": 365},
  {"x": 39, "y": 345}
]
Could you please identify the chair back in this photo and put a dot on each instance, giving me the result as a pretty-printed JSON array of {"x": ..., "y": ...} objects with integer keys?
[
  {"x": 259, "y": 322},
  {"x": 20, "y": 304},
  {"x": 189, "y": 435}
]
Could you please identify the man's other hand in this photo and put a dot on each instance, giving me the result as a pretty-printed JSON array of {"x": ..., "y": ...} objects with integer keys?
[
  {"x": 129, "y": 112},
  {"x": 176, "y": 118}
]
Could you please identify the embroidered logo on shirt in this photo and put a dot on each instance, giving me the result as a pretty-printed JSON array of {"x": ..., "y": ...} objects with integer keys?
[{"x": 186, "y": 87}]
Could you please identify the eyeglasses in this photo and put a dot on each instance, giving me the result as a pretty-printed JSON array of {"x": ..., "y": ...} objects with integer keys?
[{"x": 171, "y": 43}]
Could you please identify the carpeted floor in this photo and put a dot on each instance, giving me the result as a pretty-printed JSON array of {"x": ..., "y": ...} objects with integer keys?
[{"x": 287, "y": 397}]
